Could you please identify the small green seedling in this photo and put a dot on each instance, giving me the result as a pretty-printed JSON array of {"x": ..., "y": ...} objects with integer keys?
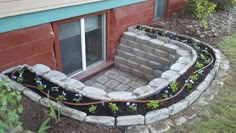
[
  {"x": 194, "y": 77},
  {"x": 113, "y": 107},
  {"x": 77, "y": 100},
  {"x": 199, "y": 65},
  {"x": 189, "y": 85},
  {"x": 153, "y": 104},
  {"x": 61, "y": 98},
  {"x": 202, "y": 56},
  {"x": 207, "y": 61},
  {"x": 173, "y": 86},
  {"x": 164, "y": 96},
  {"x": 41, "y": 87},
  {"x": 92, "y": 109},
  {"x": 20, "y": 79}
]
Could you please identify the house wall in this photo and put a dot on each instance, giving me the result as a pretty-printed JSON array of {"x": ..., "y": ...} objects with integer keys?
[
  {"x": 27, "y": 46},
  {"x": 123, "y": 17},
  {"x": 174, "y": 6}
]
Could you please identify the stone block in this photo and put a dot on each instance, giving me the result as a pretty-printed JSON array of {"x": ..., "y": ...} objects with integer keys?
[
  {"x": 165, "y": 68},
  {"x": 129, "y": 120},
  {"x": 169, "y": 74},
  {"x": 102, "y": 79},
  {"x": 177, "y": 67},
  {"x": 123, "y": 41},
  {"x": 40, "y": 68},
  {"x": 146, "y": 69},
  {"x": 111, "y": 84},
  {"x": 202, "y": 87},
  {"x": 164, "y": 61},
  {"x": 156, "y": 44},
  {"x": 152, "y": 57},
  {"x": 172, "y": 58},
  {"x": 157, "y": 73},
  {"x": 138, "y": 129},
  {"x": 147, "y": 49},
  {"x": 158, "y": 82},
  {"x": 46, "y": 102},
  {"x": 56, "y": 75},
  {"x": 133, "y": 64},
  {"x": 121, "y": 54},
  {"x": 100, "y": 86},
  {"x": 141, "y": 60},
  {"x": 155, "y": 65},
  {"x": 156, "y": 115},
  {"x": 171, "y": 48},
  {"x": 184, "y": 60},
  {"x": 9, "y": 70},
  {"x": 73, "y": 85},
  {"x": 177, "y": 107},
  {"x": 182, "y": 52},
  {"x": 138, "y": 73},
  {"x": 164, "y": 39},
  {"x": 143, "y": 91},
  {"x": 142, "y": 39},
  {"x": 120, "y": 60},
  {"x": 149, "y": 77},
  {"x": 192, "y": 97},
  {"x": 129, "y": 56},
  {"x": 72, "y": 113},
  {"x": 93, "y": 92},
  {"x": 32, "y": 95},
  {"x": 138, "y": 52},
  {"x": 106, "y": 120},
  {"x": 130, "y": 35},
  {"x": 134, "y": 84},
  {"x": 125, "y": 48},
  {"x": 125, "y": 68},
  {"x": 133, "y": 44},
  {"x": 121, "y": 95},
  {"x": 160, "y": 53}
]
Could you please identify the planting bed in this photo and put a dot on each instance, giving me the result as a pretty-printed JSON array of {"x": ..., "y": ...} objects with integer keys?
[{"x": 178, "y": 85}]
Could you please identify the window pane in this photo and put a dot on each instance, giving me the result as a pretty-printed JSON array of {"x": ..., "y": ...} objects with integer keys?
[
  {"x": 94, "y": 39},
  {"x": 160, "y": 7},
  {"x": 70, "y": 46}
]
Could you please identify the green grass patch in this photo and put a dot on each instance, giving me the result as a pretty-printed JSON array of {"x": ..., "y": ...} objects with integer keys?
[{"x": 220, "y": 116}]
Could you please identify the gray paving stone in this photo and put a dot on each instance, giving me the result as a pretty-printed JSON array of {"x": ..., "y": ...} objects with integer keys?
[
  {"x": 121, "y": 87},
  {"x": 177, "y": 107},
  {"x": 171, "y": 47},
  {"x": 143, "y": 91},
  {"x": 134, "y": 84},
  {"x": 72, "y": 113},
  {"x": 111, "y": 74},
  {"x": 93, "y": 92},
  {"x": 102, "y": 79},
  {"x": 159, "y": 127},
  {"x": 137, "y": 129},
  {"x": 56, "y": 75},
  {"x": 106, "y": 120},
  {"x": 129, "y": 120},
  {"x": 111, "y": 84},
  {"x": 156, "y": 115},
  {"x": 123, "y": 79},
  {"x": 121, "y": 95},
  {"x": 100, "y": 86},
  {"x": 89, "y": 82}
]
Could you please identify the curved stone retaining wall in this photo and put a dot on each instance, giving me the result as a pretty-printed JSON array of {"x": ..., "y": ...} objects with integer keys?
[{"x": 155, "y": 85}]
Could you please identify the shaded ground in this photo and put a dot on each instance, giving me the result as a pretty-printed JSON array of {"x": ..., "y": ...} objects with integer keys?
[
  {"x": 34, "y": 114},
  {"x": 219, "y": 116}
]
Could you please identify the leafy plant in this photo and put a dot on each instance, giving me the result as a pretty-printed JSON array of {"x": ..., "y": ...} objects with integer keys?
[
  {"x": 10, "y": 107},
  {"x": 200, "y": 10},
  {"x": 189, "y": 85},
  {"x": 164, "y": 96},
  {"x": 153, "y": 104},
  {"x": 53, "y": 114},
  {"x": 202, "y": 56},
  {"x": 199, "y": 65},
  {"x": 132, "y": 107},
  {"x": 92, "y": 109},
  {"x": 194, "y": 77},
  {"x": 113, "y": 107},
  {"x": 61, "y": 98},
  {"x": 41, "y": 87},
  {"x": 173, "y": 86},
  {"x": 78, "y": 98},
  {"x": 223, "y": 4},
  {"x": 44, "y": 126}
]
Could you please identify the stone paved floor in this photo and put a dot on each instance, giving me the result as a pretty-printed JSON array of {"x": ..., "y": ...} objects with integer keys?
[{"x": 113, "y": 79}]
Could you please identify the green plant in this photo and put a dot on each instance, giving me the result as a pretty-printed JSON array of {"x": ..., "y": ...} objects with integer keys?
[
  {"x": 132, "y": 107},
  {"x": 164, "y": 96},
  {"x": 200, "y": 10},
  {"x": 223, "y": 4},
  {"x": 202, "y": 56},
  {"x": 194, "y": 77},
  {"x": 153, "y": 104},
  {"x": 41, "y": 87},
  {"x": 53, "y": 114},
  {"x": 92, "y": 109},
  {"x": 199, "y": 65},
  {"x": 189, "y": 85},
  {"x": 10, "y": 106},
  {"x": 113, "y": 107},
  {"x": 61, "y": 98},
  {"x": 44, "y": 126},
  {"x": 173, "y": 86}
]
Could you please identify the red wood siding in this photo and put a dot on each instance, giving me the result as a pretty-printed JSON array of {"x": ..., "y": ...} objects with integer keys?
[
  {"x": 30, "y": 45},
  {"x": 174, "y": 6},
  {"x": 123, "y": 17}
]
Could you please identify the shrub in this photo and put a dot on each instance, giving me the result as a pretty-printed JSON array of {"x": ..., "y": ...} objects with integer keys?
[
  {"x": 223, "y": 4},
  {"x": 10, "y": 107},
  {"x": 200, "y": 9}
]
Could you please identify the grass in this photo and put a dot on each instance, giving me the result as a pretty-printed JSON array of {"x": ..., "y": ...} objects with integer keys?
[{"x": 220, "y": 116}]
